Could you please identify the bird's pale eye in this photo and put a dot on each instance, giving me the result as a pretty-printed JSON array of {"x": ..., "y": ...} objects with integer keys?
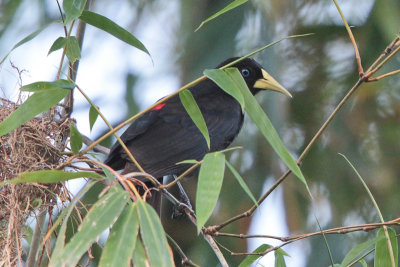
[{"x": 245, "y": 73}]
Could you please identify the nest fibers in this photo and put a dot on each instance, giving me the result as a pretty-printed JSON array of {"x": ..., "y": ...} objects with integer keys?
[{"x": 33, "y": 146}]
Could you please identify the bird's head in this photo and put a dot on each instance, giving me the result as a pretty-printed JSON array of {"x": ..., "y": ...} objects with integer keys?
[{"x": 256, "y": 77}]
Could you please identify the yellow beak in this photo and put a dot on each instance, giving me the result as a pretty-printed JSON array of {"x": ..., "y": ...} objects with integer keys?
[{"x": 269, "y": 83}]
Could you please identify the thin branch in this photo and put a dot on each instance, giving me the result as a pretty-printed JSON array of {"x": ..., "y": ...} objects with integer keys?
[
  {"x": 185, "y": 260},
  {"x": 338, "y": 230}
]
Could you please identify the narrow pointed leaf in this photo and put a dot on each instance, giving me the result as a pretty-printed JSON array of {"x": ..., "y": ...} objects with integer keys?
[
  {"x": 93, "y": 114},
  {"x": 76, "y": 139},
  {"x": 263, "y": 123},
  {"x": 112, "y": 28},
  {"x": 102, "y": 214},
  {"x": 50, "y": 177},
  {"x": 26, "y": 39},
  {"x": 355, "y": 252},
  {"x": 280, "y": 258},
  {"x": 252, "y": 258},
  {"x": 37, "y": 87},
  {"x": 382, "y": 255},
  {"x": 209, "y": 186},
  {"x": 58, "y": 44},
  {"x": 189, "y": 103},
  {"x": 73, "y": 50},
  {"x": 139, "y": 255},
  {"x": 121, "y": 242},
  {"x": 226, "y": 83},
  {"x": 73, "y": 9},
  {"x": 61, "y": 232},
  {"x": 241, "y": 182},
  {"x": 229, "y": 7},
  {"x": 188, "y": 161},
  {"x": 34, "y": 105},
  {"x": 153, "y": 236}
]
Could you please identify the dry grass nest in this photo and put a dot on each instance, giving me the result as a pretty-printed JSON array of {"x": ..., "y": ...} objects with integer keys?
[{"x": 36, "y": 145}]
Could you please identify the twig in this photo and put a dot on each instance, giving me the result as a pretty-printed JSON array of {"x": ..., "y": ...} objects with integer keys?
[
  {"x": 37, "y": 234},
  {"x": 338, "y": 230},
  {"x": 185, "y": 260}
]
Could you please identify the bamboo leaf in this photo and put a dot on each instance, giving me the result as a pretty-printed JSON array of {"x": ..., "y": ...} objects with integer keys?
[
  {"x": 26, "y": 39},
  {"x": 241, "y": 182},
  {"x": 139, "y": 255},
  {"x": 229, "y": 7},
  {"x": 76, "y": 139},
  {"x": 252, "y": 258},
  {"x": 73, "y": 9},
  {"x": 102, "y": 214},
  {"x": 153, "y": 236},
  {"x": 34, "y": 105},
  {"x": 209, "y": 186},
  {"x": 280, "y": 258},
  {"x": 58, "y": 44},
  {"x": 121, "y": 242},
  {"x": 93, "y": 115},
  {"x": 50, "y": 177},
  {"x": 226, "y": 83},
  {"x": 382, "y": 254},
  {"x": 357, "y": 250},
  {"x": 43, "y": 86},
  {"x": 189, "y": 103},
  {"x": 73, "y": 50},
  {"x": 112, "y": 28}
]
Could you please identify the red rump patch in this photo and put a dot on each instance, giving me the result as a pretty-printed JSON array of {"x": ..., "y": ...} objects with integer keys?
[{"x": 159, "y": 106}]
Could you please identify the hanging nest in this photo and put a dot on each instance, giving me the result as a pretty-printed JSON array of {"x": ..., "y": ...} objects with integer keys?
[{"x": 36, "y": 145}]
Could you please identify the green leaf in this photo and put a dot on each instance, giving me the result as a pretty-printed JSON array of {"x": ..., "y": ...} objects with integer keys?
[
  {"x": 120, "y": 245},
  {"x": 44, "y": 86},
  {"x": 241, "y": 182},
  {"x": 209, "y": 186},
  {"x": 252, "y": 258},
  {"x": 73, "y": 50},
  {"x": 357, "y": 250},
  {"x": 139, "y": 255},
  {"x": 58, "y": 44},
  {"x": 26, "y": 39},
  {"x": 229, "y": 7},
  {"x": 153, "y": 236},
  {"x": 112, "y": 28},
  {"x": 64, "y": 216},
  {"x": 34, "y": 105},
  {"x": 76, "y": 139},
  {"x": 50, "y": 177},
  {"x": 188, "y": 161},
  {"x": 382, "y": 255},
  {"x": 189, "y": 103},
  {"x": 93, "y": 114},
  {"x": 73, "y": 9},
  {"x": 279, "y": 258},
  {"x": 263, "y": 123},
  {"x": 226, "y": 83},
  {"x": 102, "y": 214}
]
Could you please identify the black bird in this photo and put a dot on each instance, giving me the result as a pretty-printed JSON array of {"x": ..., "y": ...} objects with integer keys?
[{"x": 167, "y": 135}]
